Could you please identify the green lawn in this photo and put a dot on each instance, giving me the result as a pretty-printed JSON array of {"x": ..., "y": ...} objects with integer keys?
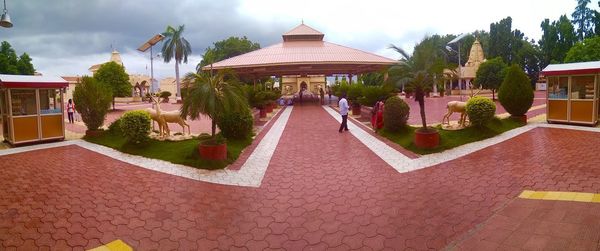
[
  {"x": 451, "y": 139},
  {"x": 179, "y": 152}
]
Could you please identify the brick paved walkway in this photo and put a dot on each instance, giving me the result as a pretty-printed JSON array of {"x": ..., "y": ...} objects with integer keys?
[{"x": 321, "y": 190}]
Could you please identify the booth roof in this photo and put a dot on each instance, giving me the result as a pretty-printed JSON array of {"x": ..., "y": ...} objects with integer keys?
[
  {"x": 31, "y": 81},
  {"x": 572, "y": 68}
]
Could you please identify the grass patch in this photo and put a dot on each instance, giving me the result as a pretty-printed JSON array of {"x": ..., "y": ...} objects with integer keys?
[
  {"x": 183, "y": 152},
  {"x": 452, "y": 139}
]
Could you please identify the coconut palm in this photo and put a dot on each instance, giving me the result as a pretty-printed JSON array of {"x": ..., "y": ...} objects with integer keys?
[
  {"x": 213, "y": 95},
  {"x": 175, "y": 46}
]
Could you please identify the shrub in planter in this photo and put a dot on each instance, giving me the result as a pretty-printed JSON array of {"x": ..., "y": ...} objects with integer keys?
[
  {"x": 213, "y": 148},
  {"x": 236, "y": 125},
  {"x": 395, "y": 114},
  {"x": 135, "y": 126},
  {"x": 93, "y": 99},
  {"x": 480, "y": 110},
  {"x": 515, "y": 93}
]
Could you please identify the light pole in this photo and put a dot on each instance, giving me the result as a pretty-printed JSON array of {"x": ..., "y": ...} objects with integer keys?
[
  {"x": 144, "y": 47},
  {"x": 449, "y": 48}
]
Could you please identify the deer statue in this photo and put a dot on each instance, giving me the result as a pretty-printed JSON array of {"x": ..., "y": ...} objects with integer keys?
[
  {"x": 171, "y": 117},
  {"x": 155, "y": 114},
  {"x": 458, "y": 106}
]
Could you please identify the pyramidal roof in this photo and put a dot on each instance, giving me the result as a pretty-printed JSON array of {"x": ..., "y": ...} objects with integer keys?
[
  {"x": 303, "y": 32},
  {"x": 476, "y": 54}
]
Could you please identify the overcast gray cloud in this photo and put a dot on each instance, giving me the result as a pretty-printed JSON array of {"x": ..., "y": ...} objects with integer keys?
[{"x": 65, "y": 37}]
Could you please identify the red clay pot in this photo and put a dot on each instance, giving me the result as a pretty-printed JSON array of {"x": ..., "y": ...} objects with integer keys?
[
  {"x": 442, "y": 94},
  {"x": 427, "y": 139},
  {"x": 213, "y": 152},
  {"x": 263, "y": 113},
  {"x": 522, "y": 118},
  {"x": 356, "y": 110},
  {"x": 269, "y": 107},
  {"x": 93, "y": 133}
]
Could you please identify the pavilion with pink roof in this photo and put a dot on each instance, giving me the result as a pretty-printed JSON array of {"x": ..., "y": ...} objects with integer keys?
[{"x": 303, "y": 60}]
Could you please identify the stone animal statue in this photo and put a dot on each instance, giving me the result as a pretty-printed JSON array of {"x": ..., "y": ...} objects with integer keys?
[
  {"x": 155, "y": 114},
  {"x": 457, "y": 106},
  {"x": 171, "y": 117}
]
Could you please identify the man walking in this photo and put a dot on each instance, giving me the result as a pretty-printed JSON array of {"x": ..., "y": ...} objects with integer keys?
[{"x": 343, "y": 104}]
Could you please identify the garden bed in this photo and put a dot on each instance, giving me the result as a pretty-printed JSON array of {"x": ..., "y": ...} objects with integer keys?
[
  {"x": 183, "y": 152},
  {"x": 452, "y": 139}
]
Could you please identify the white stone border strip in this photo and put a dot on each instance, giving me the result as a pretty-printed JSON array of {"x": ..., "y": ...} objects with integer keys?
[
  {"x": 403, "y": 164},
  {"x": 388, "y": 154},
  {"x": 250, "y": 174}
]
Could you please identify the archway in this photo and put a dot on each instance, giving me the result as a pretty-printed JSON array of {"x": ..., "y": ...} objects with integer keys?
[{"x": 303, "y": 86}]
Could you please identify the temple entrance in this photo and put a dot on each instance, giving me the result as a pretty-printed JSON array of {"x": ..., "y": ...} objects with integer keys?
[{"x": 303, "y": 86}]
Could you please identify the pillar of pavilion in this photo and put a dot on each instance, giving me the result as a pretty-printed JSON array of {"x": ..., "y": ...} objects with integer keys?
[{"x": 303, "y": 60}]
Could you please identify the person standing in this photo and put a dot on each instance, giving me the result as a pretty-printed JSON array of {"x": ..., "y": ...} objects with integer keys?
[
  {"x": 322, "y": 95},
  {"x": 329, "y": 93},
  {"x": 70, "y": 111},
  {"x": 343, "y": 104}
]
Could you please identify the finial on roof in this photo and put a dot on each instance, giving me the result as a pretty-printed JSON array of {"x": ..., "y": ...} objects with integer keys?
[{"x": 302, "y": 20}]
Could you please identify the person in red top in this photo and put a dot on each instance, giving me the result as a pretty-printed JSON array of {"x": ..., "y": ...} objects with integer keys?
[
  {"x": 377, "y": 116},
  {"x": 70, "y": 111}
]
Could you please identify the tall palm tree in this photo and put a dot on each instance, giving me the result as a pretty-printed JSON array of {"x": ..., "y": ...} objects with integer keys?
[
  {"x": 177, "y": 47},
  {"x": 213, "y": 95}
]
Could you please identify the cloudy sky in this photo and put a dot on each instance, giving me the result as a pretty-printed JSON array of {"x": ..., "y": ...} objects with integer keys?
[{"x": 66, "y": 37}]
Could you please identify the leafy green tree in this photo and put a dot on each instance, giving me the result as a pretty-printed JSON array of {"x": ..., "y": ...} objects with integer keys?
[
  {"x": 529, "y": 57},
  {"x": 11, "y": 64},
  {"x": 583, "y": 19},
  {"x": 557, "y": 38},
  {"x": 93, "y": 101},
  {"x": 24, "y": 65},
  {"x": 227, "y": 48},
  {"x": 213, "y": 95},
  {"x": 175, "y": 46},
  {"x": 587, "y": 50},
  {"x": 372, "y": 78},
  {"x": 116, "y": 78},
  {"x": 490, "y": 75},
  {"x": 504, "y": 42}
]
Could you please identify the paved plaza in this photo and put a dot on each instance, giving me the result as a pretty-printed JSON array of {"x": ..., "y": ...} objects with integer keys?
[{"x": 319, "y": 190}]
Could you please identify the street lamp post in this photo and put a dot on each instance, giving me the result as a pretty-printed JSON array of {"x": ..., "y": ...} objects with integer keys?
[
  {"x": 457, "y": 41},
  {"x": 144, "y": 47}
]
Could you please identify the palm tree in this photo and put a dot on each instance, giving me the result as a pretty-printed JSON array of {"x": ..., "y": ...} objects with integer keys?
[
  {"x": 176, "y": 46},
  {"x": 213, "y": 95}
]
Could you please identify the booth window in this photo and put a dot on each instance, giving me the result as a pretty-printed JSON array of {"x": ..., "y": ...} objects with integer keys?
[
  {"x": 582, "y": 87},
  {"x": 557, "y": 87},
  {"x": 50, "y": 102},
  {"x": 23, "y": 102}
]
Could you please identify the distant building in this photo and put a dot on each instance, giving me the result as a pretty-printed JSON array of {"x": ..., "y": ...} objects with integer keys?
[
  {"x": 468, "y": 71},
  {"x": 140, "y": 82}
]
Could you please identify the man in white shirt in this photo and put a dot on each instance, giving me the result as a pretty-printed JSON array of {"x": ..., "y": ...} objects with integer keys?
[{"x": 343, "y": 104}]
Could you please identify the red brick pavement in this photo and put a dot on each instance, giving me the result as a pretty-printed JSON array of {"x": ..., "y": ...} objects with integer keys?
[
  {"x": 539, "y": 225},
  {"x": 322, "y": 190}
]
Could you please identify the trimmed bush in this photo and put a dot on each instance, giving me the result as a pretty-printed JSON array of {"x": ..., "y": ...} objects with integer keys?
[
  {"x": 480, "y": 110},
  {"x": 93, "y": 100},
  {"x": 115, "y": 127},
  {"x": 515, "y": 93},
  {"x": 354, "y": 93},
  {"x": 372, "y": 94},
  {"x": 165, "y": 94},
  {"x": 236, "y": 125},
  {"x": 135, "y": 126},
  {"x": 395, "y": 114}
]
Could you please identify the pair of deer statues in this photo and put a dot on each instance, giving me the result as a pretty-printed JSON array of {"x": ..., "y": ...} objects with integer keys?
[
  {"x": 162, "y": 118},
  {"x": 459, "y": 107}
]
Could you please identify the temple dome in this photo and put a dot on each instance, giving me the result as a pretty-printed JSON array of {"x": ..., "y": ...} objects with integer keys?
[{"x": 476, "y": 56}]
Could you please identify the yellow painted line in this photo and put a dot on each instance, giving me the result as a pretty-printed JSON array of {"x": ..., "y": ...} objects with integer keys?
[
  {"x": 116, "y": 245},
  {"x": 562, "y": 196}
]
